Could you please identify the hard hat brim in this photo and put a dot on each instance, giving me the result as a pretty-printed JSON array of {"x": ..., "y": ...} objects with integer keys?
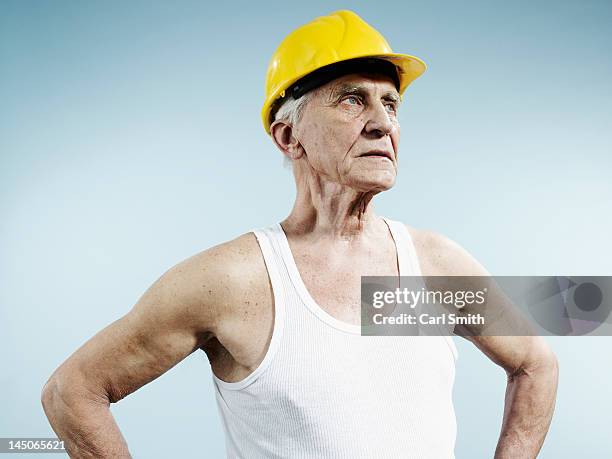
[{"x": 409, "y": 68}]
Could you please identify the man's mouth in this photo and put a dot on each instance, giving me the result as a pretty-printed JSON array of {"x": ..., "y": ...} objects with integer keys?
[{"x": 380, "y": 154}]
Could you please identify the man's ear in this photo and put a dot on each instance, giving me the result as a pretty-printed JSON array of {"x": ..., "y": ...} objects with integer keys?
[{"x": 285, "y": 140}]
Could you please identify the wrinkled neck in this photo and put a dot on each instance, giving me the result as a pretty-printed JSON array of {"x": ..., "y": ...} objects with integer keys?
[{"x": 329, "y": 209}]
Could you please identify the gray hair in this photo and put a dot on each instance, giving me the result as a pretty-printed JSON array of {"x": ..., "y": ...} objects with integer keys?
[{"x": 291, "y": 111}]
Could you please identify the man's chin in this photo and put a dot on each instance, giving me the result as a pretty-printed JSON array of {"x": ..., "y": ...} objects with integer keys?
[{"x": 377, "y": 184}]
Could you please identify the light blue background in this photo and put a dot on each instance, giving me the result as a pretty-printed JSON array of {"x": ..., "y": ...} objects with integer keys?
[{"x": 130, "y": 139}]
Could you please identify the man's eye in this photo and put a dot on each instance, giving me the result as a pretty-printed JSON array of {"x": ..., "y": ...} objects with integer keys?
[
  {"x": 391, "y": 107},
  {"x": 352, "y": 100}
]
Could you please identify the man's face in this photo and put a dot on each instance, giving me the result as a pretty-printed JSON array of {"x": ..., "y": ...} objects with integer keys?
[{"x": 350, "y": 133}]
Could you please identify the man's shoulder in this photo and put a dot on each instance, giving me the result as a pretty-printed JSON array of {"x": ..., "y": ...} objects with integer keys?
[
  {"x": 219, "y": 276},
  {"x": 439, "y": 255},
  {"x": 231, "y": 264},
  {"x": 232, "y": 256}
]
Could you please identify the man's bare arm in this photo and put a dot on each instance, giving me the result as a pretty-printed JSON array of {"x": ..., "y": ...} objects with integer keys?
[
  {"x": 531, "y": 366},
  {"x": 173, "y": 318}
]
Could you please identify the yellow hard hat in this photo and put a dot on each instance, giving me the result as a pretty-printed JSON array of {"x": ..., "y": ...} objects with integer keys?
[{"x": 340, "y": 36}]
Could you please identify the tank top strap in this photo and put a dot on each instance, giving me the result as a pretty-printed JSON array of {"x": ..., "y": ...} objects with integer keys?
[
  {"x": 409, "y": 266},
  {"x": 278, "y": 284},
  {"x": 406, "y": 252},
  {"x": 274, "y": 250},
  {"x": 269, "y": 253},
  {"x": 282, "y": 271}
]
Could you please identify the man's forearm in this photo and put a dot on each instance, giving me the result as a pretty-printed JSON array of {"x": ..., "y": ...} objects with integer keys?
[
  {"x": 86, "y": 425},
  {"x": 529, "y": 406}
]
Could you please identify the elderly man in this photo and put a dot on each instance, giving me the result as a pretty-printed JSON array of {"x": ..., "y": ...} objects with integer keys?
[{"x": 277, "y": 310}]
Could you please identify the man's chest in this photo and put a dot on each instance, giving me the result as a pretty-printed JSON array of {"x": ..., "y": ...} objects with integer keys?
[{"x": 334, "y": 281}]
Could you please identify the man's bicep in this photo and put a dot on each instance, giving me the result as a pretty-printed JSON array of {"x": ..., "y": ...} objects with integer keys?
[
  {"x": 169, "y": 322},
  {"x": 516, "y": 354},
  {"x": 506, "y": 337}
]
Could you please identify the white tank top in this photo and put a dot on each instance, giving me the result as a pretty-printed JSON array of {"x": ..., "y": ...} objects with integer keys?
[{"x": 324, "y": 391}]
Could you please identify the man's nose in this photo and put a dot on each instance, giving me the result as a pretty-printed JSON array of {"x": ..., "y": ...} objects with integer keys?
[{"x": 378, "y": 121}]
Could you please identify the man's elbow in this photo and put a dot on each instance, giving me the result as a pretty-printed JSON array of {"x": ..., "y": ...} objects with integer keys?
[
  {"x": 546, "y": 361},
  {"x": 552, "y": 365},
  {"x": 50, "y": 398},
  {"x": 49, "y": 395},
  {"x": 64, "y": 392},
  {"x": 45, "y": 395},
  {"x": 542, "y": 361}
]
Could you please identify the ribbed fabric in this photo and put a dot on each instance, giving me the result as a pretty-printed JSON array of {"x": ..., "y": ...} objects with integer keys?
[{"x": 325, "y": 391}]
